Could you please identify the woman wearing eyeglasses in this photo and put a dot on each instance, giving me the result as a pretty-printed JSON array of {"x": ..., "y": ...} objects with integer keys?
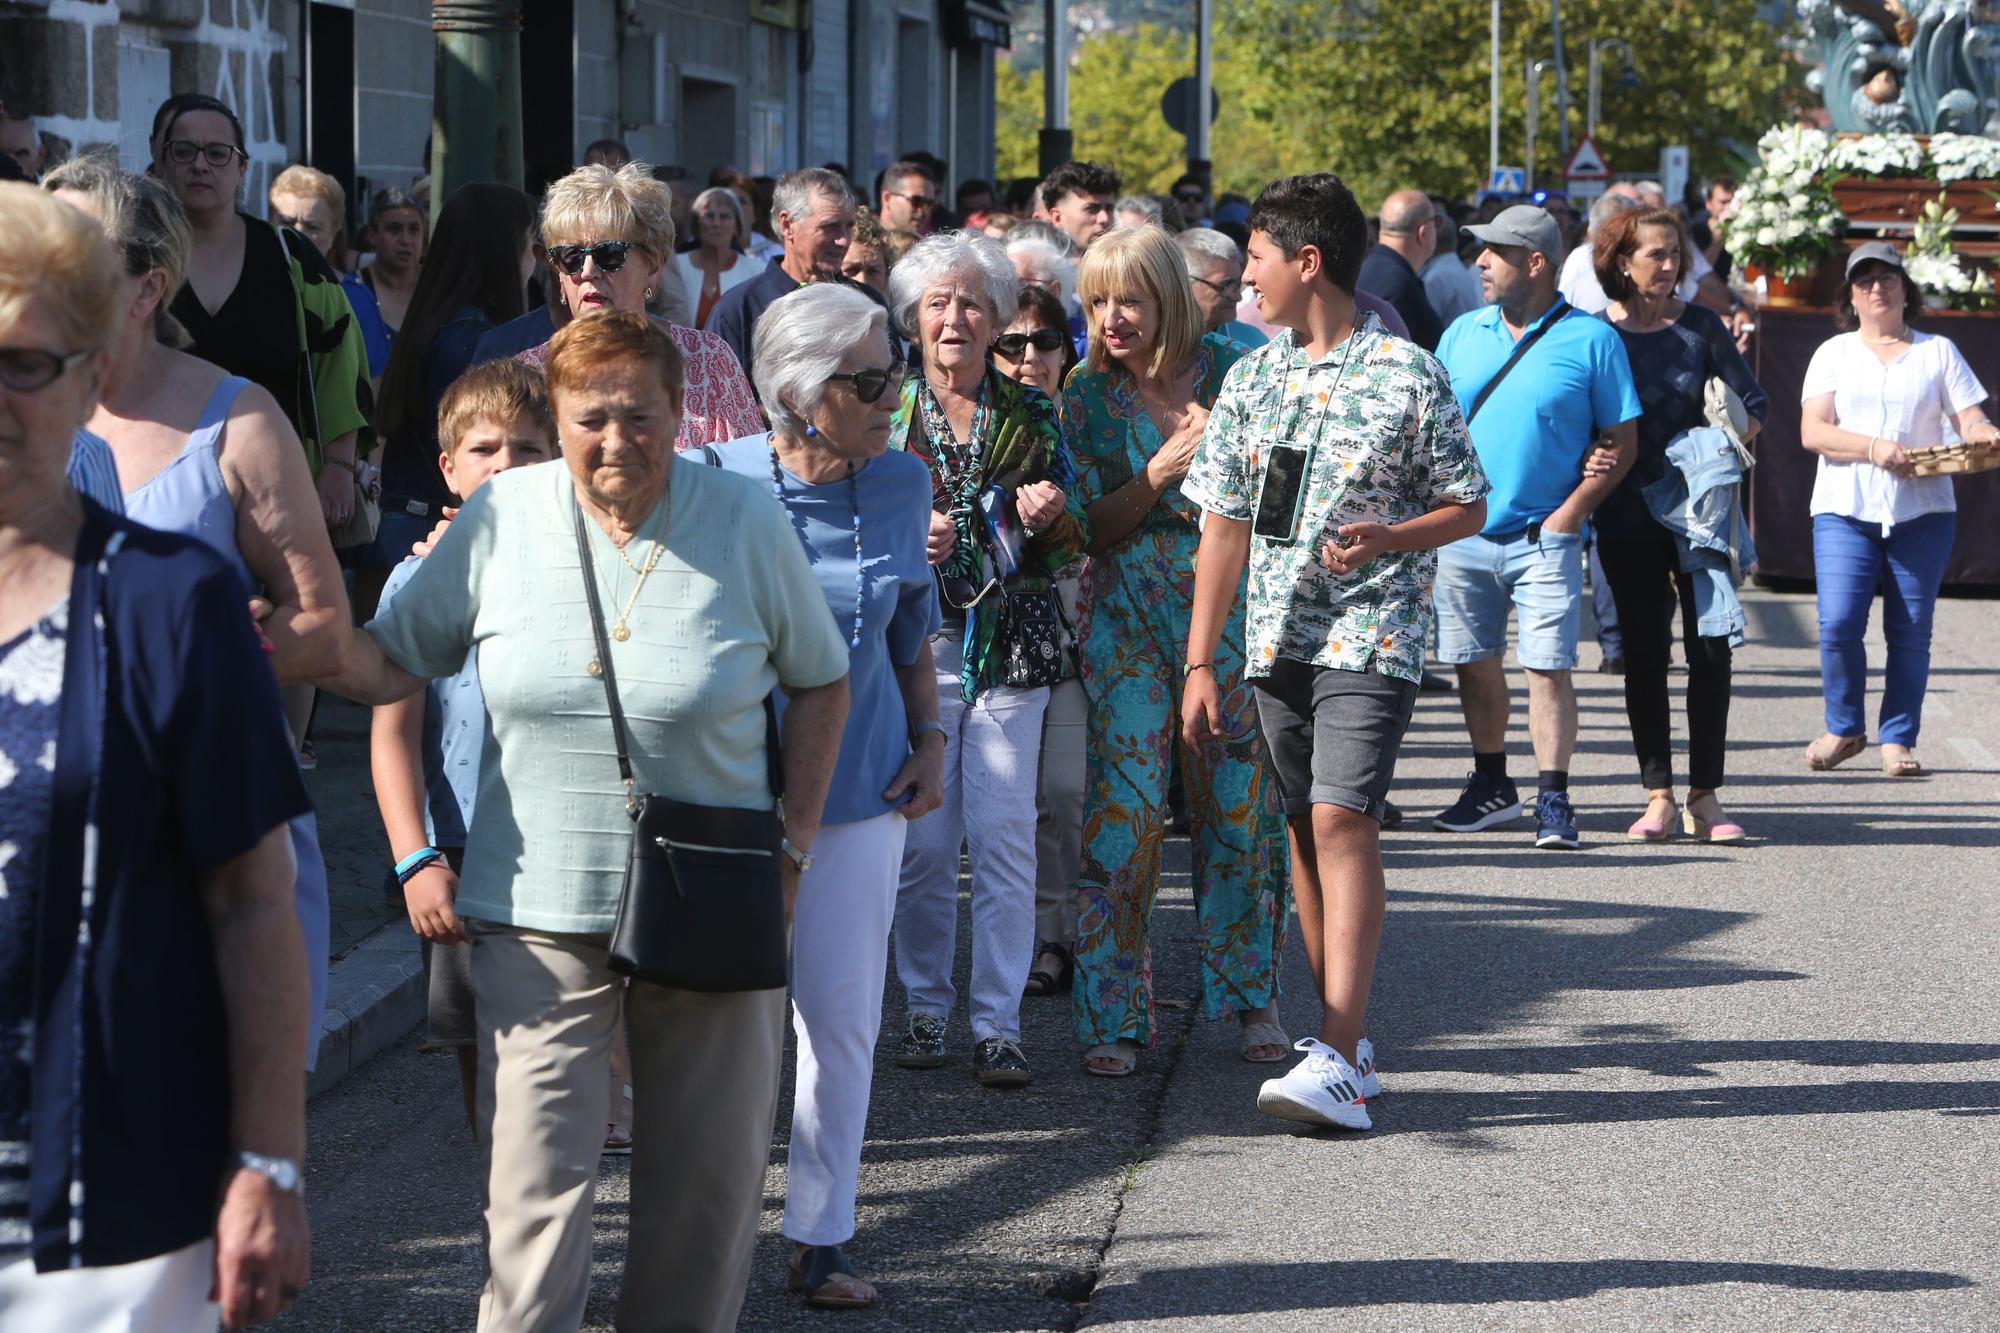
[
  {"x": 998, "y": 464},
  {"x": 262, "y": 303},
  {"x": 607, "y": 233},
  {"x": 1136, "y": 410}
]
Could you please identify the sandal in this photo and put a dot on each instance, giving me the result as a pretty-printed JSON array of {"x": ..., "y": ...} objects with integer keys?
[
  {"x": 618, "y": 1130},
  {"x": 1648, "y": 829},
  {"x": 1831, "y": 751},
  {"x": 1042, "y": 981},
  {"x": 1898, "y": 762},
  {"x": 816, "y": 1273},
  {"x": 1261, "y": 1031},
  {"x": 1703, "y": 829},
  {"x": 1119, "y": 1057}
]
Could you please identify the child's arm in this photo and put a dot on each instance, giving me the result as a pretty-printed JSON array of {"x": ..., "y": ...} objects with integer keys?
[{"x": 396, "y": 762}]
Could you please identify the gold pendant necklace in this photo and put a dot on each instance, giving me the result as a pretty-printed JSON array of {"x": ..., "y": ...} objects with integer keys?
[{"x": 619, "y": 630}]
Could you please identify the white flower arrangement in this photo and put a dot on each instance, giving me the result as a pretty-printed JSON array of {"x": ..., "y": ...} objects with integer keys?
[
  {"x": 1789, "y": 152},
  {"x": 1785, "y": 219},
  {"x": 1959, "y": 157},
  {"x": 1877, "y": 155},
  {"x": 1934, "y": 265}
]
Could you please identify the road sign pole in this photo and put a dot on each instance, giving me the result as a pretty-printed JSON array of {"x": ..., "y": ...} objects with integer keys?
[
  {"x": 1204, "y": 78},
  {"x": 1055, "y": 139},
  {"x": 1493, "y": 129}
]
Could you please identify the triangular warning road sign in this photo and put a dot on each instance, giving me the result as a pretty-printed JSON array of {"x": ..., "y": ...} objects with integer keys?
[{"x": 1586, "y": 163}]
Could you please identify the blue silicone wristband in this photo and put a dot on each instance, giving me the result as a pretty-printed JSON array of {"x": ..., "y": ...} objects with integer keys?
[{"x": 416, "y": 861}]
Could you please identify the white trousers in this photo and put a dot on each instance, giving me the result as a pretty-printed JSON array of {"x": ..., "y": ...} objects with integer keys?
[
  {"x": 1059, "y": 813},
  {"x": 992, "y": 749},
  {"x": 840, "y": 958},
  {"x": 164, "y": 1294}
]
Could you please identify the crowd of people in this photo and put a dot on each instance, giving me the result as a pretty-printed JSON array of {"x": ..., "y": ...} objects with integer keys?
[{"x": 789, "y": 542}]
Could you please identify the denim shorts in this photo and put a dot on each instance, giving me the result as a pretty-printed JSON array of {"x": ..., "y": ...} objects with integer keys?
[
  {"x": 1333, "y": 735},
  {"x": 1479, "y": 580}
]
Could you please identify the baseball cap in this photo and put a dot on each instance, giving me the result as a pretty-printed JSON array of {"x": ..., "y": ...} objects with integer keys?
[
  {"x": 1880, "y": 252},
  {"x": 1523, "y": 225}
]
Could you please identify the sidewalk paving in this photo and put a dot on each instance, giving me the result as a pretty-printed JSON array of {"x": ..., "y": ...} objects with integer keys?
[{"x": 1627, "y": 1086}]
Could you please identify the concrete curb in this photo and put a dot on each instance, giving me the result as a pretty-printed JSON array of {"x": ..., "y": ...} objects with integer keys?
[{"x": 374, "y": 996}]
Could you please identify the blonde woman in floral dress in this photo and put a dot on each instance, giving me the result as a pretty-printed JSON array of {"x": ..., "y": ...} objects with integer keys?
[{"x": 1135, "y": 411}]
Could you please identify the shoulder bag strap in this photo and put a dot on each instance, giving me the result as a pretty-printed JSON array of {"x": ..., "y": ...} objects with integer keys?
[
  {"x": 1555, "y": 315},
  {"x": 604, "y": 657}
]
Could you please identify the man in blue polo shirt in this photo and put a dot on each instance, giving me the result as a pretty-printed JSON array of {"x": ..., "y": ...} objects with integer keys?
[{"x": 1540, "y": 383}]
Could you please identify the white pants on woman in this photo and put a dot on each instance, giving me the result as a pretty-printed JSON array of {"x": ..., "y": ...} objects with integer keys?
[
  {"x": 992, "y": 749},
  {"x": 840, "y": 955}
]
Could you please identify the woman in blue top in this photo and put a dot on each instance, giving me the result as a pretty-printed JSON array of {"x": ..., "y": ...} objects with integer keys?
[
  {"x": 1135, "y": 413},
  {"x": 827, "y": 377},
  {"x": 152, "y": 982},
  {"x": 1675, "y": 348}
]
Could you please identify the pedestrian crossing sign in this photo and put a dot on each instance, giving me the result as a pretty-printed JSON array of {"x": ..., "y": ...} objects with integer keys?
[{"x": 1508, "y": 180}]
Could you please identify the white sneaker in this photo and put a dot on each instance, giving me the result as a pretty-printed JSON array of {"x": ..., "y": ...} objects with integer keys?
[
  {"x": 1322, "y": 1090},
  {"x": 1364, "y": 1065}
]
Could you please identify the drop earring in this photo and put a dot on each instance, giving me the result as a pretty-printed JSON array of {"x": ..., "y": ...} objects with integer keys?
[{"x": 811, "y": 430}]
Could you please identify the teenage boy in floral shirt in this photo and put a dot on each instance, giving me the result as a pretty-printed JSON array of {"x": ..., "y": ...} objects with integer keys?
[{"x": 1334, "y": 464}]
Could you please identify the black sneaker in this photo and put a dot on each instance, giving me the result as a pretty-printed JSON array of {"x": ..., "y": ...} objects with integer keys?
[
  {"x": 1392, "y": 816},
  {"x": 1481, "y": 805},
  {"x": 999, "y": 1063},
  {"x": 922, "y": 1046}
]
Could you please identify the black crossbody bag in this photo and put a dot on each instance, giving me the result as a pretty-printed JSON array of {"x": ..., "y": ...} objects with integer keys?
[
  {"x": 1557, "y": 313},
  {"x": 703, "y": 907}
]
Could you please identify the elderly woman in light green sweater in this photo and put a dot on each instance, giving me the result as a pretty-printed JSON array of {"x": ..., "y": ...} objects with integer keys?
[{"x": 710, "y": 605}]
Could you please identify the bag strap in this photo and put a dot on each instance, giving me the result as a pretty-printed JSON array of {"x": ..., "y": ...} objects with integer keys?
[
  {"x": 1549, "y": 321},
  {"x": 774, "y": 770}
]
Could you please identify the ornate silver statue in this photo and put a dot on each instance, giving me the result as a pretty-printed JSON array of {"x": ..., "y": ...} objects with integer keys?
[{"x": 1923, "y": 66}]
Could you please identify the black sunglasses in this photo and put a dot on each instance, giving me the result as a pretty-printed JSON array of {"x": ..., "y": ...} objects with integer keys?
[
  {"x": 1188, "y": 196},
  {"x": 610, "y": 256},
  {"x": 870, "y": 385},
  {"x": 184, "y": 151},
  {"x": 916, "y": 200},
  {"x": 1012, "y": 345},
  {"x": 26, "y": 369}
]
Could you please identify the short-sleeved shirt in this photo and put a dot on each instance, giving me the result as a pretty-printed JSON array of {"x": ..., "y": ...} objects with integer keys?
[
  {"x": 899, "y": 606},
  {"x": 376, "y": 335},
  {"x": 1385, "y": 273},
  {"x": 1386, "y": 443},
  {"x": 454, "y": 734},
  {"x": 1535, "y": 428},
  {"x": 734, "y": 318},
  {"x": 730, "y": 612},
  {"x": 1905, "y": 400}
]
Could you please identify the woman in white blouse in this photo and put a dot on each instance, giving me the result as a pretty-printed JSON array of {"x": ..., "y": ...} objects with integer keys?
[
  {"x": 1870, "y": 397},
  {"x": 720, "y": 261}
]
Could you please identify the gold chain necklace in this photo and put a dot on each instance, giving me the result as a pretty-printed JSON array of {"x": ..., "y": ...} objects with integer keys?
[{"x": 620, "y": 631}]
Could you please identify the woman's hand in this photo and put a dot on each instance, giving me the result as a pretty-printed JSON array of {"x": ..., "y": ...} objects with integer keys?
[
  {"x": 1985, "y": 435},
  {"x": 431, "y": 896},
  {"x": 1355, "y": 545},
  {"x": 943, "y": 538},
  {"x": 337, "y": 489},
  {"x": 1601, "y": 461},
  {"x": 921, "y": 777},
  {"x": 429, "y": 543},
  {"x": 1176, "y": 456},
  {"x": 1891, "y": 458},
  {"x": 1039, "y": 504}
]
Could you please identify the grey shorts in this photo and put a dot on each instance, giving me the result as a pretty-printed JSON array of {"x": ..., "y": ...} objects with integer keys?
[
  {"x": 448, "y": 978},
  {"x": 1333, "y": 735}
]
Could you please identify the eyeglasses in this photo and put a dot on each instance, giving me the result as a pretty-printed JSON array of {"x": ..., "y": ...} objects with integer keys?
[
  {"x": 1230, "y": 291},
  {"x": 918, "y": 201},
  {"x": 870, "y": 385},
  {"x": 183, "y": 152},
  {"x": 610, "y": 256},
  {"x": 1879, "y": 278},
  {"x": 1187, "y": 196},
  {"x": 27, "y": 369},
  {"x": 1013, "y": 345}
]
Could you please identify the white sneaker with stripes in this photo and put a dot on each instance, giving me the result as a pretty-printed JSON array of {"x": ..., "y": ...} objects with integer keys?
[
  {"x": 1323, "y": 1090},
  {"x": 1364, "y": 1065}
]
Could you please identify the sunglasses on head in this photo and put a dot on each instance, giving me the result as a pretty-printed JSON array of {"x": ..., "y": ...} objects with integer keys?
[
  {"x": 610, "y": 256},
  {"x": 870, "y": 385},
  {"x": 181, "y": 152},
  {"x": 1012, "y": 345}
]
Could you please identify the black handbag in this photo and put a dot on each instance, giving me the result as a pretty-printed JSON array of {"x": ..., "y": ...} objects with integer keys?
[
  {"x": 1034, "y": 643},
  {"x": 703, "y": 906}
]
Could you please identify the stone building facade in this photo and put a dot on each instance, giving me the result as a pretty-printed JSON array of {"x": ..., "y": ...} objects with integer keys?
[{"x": 346, "y": 85}]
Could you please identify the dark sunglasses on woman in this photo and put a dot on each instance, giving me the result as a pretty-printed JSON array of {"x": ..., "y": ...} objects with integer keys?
[
  {"x": 1012, "y": 345},
  {"x": 610, "y": 256},
  {"x": 870, "y": 385}
]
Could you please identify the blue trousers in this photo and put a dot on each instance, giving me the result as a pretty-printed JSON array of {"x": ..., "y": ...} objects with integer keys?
[{"x": 1850, "y": 559}]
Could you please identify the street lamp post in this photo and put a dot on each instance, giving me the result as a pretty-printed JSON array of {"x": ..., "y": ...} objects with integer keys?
[
  {"x": 476, "y": 111},
  {"x": 1536, "y": 68},
  {"x": 1594, "y": 110},
  {"x": 1055, "y": 138}
]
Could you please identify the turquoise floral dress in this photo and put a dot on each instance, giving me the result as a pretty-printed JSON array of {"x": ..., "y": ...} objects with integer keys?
[{"x": 1136, "y": 603}]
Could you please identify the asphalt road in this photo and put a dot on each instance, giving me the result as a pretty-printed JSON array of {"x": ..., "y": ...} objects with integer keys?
[{"x": 1625, "y": 1087}]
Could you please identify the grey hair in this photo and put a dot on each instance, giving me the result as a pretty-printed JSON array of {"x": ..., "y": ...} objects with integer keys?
[
  {"x": 793, "y": 195},
  {"x": 1609, "y": 206},
  {"x": 1045, "y": 260},
  {"x": 1046, "y": 231},
  {"x": 1205, "y": 246},
  {"x": 722, "y": 192},
  {"x": 954, "y": 254},
  {"x": 801, "y": 339},
  {"x": 1144, "y": 205}
]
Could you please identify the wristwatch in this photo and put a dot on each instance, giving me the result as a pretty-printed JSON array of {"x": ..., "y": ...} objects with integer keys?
[
  {"x": 282, "y": 1172},
  {"x": 802, "y": 859}
]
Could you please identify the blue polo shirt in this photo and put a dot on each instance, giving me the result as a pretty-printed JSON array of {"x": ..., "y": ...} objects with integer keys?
[{"x": 1532, "y": 434}]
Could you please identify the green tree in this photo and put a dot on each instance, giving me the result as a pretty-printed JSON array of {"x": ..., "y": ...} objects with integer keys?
[{"x": 1395, "y": 94}]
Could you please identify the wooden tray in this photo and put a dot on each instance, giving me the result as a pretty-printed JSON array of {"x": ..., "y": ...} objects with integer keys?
[{"x": 1943, "y": 460}]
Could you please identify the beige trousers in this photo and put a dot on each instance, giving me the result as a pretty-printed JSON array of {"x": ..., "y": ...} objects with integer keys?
[{"x": 705, "y": 1088}]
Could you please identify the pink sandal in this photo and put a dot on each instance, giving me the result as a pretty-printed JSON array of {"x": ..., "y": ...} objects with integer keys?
[{"x": 1647, "y": 829}]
